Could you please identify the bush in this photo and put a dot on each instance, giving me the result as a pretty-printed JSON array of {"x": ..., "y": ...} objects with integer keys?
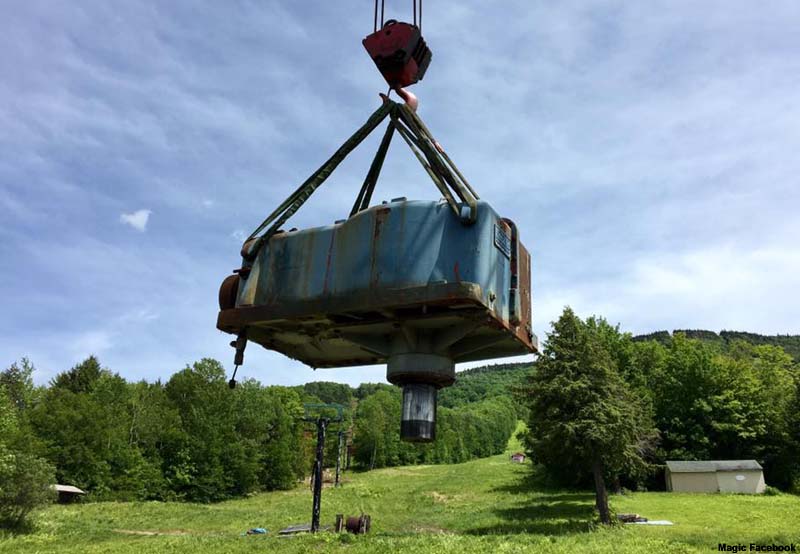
[{"x": 24, "y": 486}]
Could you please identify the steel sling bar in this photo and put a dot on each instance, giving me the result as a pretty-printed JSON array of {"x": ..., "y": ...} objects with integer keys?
[
  {"x": 443, "y": 188},
  {"x": 450, "y": 162},
  {"x": 365, "y": 194},
  {"x": 440, "y": 180},
  {"x": 432, "y": 154},
  {"x": 424, "y": 143},
  {"x": 434, "y": 177}
]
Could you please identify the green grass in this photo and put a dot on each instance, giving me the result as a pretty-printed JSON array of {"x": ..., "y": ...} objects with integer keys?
[{"x": 481, "y": 506}]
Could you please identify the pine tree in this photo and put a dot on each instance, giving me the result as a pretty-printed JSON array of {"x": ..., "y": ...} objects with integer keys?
[{"x": 582, "y": 413}]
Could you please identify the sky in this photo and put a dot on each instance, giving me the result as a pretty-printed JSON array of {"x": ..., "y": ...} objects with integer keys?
[{"x": 649, "y": 153}]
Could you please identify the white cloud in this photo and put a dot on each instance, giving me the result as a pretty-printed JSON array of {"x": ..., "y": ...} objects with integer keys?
[
  {"x": 715, "y": 288},
  {"x": 138, "y": 219},
  {"x": 139, "y": 315},
  {"x": 91, "y": 342}
]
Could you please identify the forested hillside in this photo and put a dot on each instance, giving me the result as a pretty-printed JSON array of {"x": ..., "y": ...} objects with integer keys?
[
  {"x": 480, "y": 383},
  {"x": 472, "y": 385},
  {"x": 723, "y": 339}
]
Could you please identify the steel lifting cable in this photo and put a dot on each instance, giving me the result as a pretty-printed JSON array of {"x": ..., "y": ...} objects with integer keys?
[
  {"x": 375, "y": 16},
  {"x": 417, "y": 18}
]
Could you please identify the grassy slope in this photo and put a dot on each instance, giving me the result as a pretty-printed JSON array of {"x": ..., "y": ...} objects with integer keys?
[{"x": 480, "y": 506}]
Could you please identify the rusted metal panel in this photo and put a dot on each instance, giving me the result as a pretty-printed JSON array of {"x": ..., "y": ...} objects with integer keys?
[
  {"x": 525, "y": 327},
  {"x": 339, "y": 295}
]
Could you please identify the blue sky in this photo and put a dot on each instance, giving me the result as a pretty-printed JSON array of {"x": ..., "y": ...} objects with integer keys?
[{"x": 648, "y": 152}]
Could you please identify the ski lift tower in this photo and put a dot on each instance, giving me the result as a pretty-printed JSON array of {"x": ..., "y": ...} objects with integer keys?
[{"x": 321, "y": 415}]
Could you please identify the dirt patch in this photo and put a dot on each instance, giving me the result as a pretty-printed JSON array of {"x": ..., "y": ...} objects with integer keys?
[
  {"x": 439, "y": 497},
  {"x": 172, "y": 532}
]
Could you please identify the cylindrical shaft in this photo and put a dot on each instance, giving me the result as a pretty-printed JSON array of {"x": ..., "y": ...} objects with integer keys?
[{"x": 418, "y": 420}]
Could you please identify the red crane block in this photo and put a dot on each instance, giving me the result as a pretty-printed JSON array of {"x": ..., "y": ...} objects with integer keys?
[{"x": 400, "y": 52}]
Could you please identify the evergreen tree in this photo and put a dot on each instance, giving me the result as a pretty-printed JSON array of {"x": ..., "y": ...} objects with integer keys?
[{"x": 582, "y": 413}]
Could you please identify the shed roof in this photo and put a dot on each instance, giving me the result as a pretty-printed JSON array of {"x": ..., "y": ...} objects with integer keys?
[
  {"x": 68, "y": 488},
  {"x": 703, "y": 466}
]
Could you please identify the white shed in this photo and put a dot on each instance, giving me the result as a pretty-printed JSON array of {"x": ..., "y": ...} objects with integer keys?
[
  {"x": 743, "y": 476},
  {"x": 67, "y": 493}
]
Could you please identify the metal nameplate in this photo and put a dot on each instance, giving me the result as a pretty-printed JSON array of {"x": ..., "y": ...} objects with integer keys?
[{"x": 502, "y": 241}]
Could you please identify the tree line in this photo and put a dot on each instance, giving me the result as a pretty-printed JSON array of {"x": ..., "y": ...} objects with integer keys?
[
  {"x": 471, "y": 431},
  {"x": 604, "y": 407},
  {"x": 723, "y": 339},
  {"x": 193, "y": 438}
]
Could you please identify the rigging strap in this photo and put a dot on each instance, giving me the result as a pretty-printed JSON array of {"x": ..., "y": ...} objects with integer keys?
[{"x": 441, "y": 169}]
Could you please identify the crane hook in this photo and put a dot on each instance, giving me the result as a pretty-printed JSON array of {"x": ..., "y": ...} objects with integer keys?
[{"x": 408, "y": 97}]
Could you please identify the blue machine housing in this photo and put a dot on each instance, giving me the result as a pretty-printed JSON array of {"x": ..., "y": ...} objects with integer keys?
[{"x": 341, "y": 295}]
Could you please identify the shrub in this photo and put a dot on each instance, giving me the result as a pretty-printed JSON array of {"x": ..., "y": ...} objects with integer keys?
[{"x": 24, "y": 486}]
